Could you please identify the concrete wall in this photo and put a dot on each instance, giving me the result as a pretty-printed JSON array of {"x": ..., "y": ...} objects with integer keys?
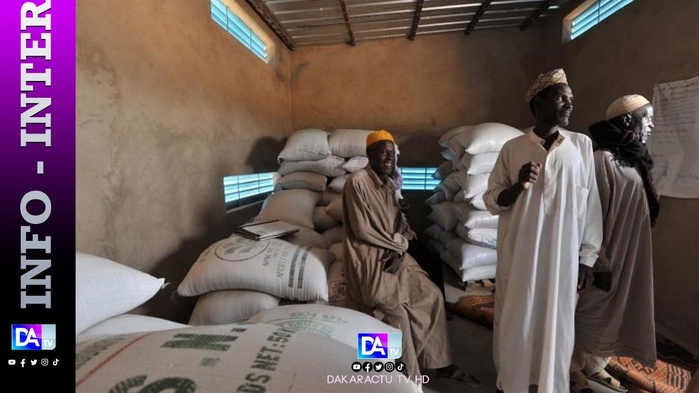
[
  {"x": 167, "y": 104},
  {"x": 416, "y": 89}
]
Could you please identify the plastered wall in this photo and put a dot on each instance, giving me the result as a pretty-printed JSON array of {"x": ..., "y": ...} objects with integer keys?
[
  {"x": 167, "y": 104},
  {"x": 417, "y": 89}
]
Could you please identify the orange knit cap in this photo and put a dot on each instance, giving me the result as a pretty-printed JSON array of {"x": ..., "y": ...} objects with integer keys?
[{"x": 378, "y": 136}]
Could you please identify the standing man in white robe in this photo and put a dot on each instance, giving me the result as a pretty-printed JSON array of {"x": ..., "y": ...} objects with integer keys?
[{"x": 549, "y": 234}]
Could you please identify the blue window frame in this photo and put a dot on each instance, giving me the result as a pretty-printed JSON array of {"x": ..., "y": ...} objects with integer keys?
[
  {"x": 235, "y": 26},
  {"x": 244, "y": 189},
  {"x": 418, "y": 178},
  {"x": 593, "y": 13},
  {"x": 241, "y": 190}
]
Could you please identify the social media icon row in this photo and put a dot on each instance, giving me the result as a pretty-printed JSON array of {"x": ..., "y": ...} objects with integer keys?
[
  {"x": 378, "y": 366},
  {"x": 32, "y": 362}
]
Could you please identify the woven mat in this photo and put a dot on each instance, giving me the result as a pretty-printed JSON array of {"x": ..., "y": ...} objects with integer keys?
[{"x": 664, "y": 378}]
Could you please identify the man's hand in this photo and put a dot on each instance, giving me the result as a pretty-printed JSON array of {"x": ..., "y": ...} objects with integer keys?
[
  {"x": 391, "y": 261},
  {"x": 528, "y": 174},
  {"x": 603, "y": 280},
  {"x": 585, "y": 276}
]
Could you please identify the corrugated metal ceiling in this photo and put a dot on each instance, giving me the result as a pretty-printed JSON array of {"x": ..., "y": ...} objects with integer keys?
[{"x": 302, "y": 23}]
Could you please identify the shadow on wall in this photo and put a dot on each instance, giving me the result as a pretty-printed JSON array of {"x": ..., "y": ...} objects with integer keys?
[
  {"x": 420, "y": 150},
  {"x": 263, "y": 155},
  {"x": 174, "y": 267}
]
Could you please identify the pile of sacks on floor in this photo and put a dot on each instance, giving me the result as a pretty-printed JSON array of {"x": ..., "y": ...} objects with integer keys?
[
  {"x": 236, "y": 278},
  {"x": 463, "y": 231},
  {"x": 294, "y": 346}
]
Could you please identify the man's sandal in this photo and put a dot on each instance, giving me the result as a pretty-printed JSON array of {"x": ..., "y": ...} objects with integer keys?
[
  {"x": 456, "y": 374},
  {"x": 579, "y": 384},
  {"x": 605, "y": 379}
]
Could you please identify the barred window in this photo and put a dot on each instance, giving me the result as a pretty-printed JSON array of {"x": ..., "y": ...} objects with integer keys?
[{"x": 589, "y": 14}]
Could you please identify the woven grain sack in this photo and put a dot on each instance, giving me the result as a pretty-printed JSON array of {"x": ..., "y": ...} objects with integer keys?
[
  {"x": 336, "y": 323},
  {"x": 461, "y": 210},
  {"x": 448, "y": 154},
  {"x": 477, "y": 202},
  {"x": 486, "y": 272},
  {"x": 443, "y": 215},
  {"x": 475, "y": 164},
  {"x": 334, "y": 235},
  {"x": 228, "y": 306},
  {"x": 328, "y": 196},
  {"x": 272, "y": 266},
  {"x": 338, "y": 249},
  {"x": 222, "y": 358},
  {"x": 307, "y": 237},
  {"x": 433, "y": 231},
  {"x": 483, "y": 237},
  {"x": 356, "y": 163},
  {"x": 337, "y": 284},
  {"x": 292, "y": 206},
  {"x": 348, "y": 142},
  {"x": 303, "y": 179},
  {"x": 334, "y": 209},
  {"x": 473, "y": 185},
  {"x": 469, "y": 274},
  {"x": 126, "y": 324},
  {"x": 330, "y": 166},
  {"x": 445, "y": 237},
  {"x": 487, "y": 137},
  {"x": 443, "y": 170},
  {"x": 306, "y": 145},
  {"x": 472, "y": 255},
  {"x": 481, "y": 219},
  {"x": 444, "y": 139},
  {"x": 322, "y": 220},
  {"x": 437, "y": 197},
  {"x": 105, "y": 289},
  {"x": 337, "y": 183}
]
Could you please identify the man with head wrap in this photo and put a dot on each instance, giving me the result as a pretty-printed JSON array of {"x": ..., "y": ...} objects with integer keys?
[
  {"x": 615, "y": 317},
  {"x": 549, "y": 232},
  {"x": 381, "y": 276}
]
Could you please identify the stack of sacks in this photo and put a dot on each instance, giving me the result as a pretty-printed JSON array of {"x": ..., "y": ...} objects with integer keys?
[
  {"x": 351, "y": 145},
  {"x": 463, "y": 232},
  {"x": 236, "y": 278},
  {"x": 314, "y": 165},
  {"x": 319, "y": 161},
  {"x": 291, "y": 354},
  {"x": 106, "y": 295}
]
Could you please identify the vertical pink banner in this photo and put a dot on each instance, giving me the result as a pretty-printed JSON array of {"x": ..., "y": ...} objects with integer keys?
[{"x": 37, "y": 206}]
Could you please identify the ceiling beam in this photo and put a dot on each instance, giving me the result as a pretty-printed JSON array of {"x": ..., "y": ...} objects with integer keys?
[
  {"x": 266, "y": 14},
  {"x": 535, "y": 15},
  {"x": 348, "y": 23},
  {"x": 416, "y": 19},
  {"x": 479, "y": 14}
]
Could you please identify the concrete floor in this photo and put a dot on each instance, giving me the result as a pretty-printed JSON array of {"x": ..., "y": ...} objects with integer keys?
[{"x": 472, "y": 347}]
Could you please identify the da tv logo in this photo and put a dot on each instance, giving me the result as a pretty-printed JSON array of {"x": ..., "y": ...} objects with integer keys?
[
  {"x": 379, "y": 345},
  {"x": 33, "y": 337}
]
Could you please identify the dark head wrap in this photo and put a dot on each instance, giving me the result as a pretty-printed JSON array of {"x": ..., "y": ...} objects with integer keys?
[{"x": 631, "y": 152}]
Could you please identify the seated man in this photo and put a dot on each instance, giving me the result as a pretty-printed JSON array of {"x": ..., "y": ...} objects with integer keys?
[{"x": 381, "y": 276}]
